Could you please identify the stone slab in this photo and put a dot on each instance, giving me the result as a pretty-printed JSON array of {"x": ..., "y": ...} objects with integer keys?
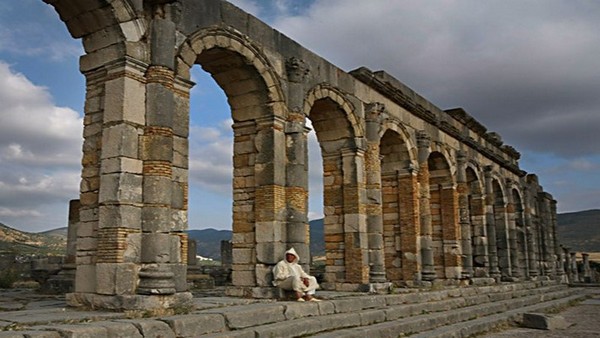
[
  {"x": 240, "y": 317},
  {"x": 196, "y": 325},
  {"x": 46, "y": 316},
  {"x": 544, "y": 321}
]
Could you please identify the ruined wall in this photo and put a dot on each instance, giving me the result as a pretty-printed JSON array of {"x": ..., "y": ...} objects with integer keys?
[{"x": 412, "y": 193}]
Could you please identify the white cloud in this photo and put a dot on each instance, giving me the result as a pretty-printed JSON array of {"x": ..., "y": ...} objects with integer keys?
[
  {"x": 40, "y": 150},
  {"x": 211, "y": 151},
  {"x": 503, "y": 61}
]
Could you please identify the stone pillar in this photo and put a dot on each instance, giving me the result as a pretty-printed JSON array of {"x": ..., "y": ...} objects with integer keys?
[
  {"x": 296, "y": 132},
  {"x": 512, "y": 234},
  {"x": 271, "y": 202},
  {"x": 491, "y": 223},
  {"x": 481, "y": 262},
  {"x": 452, "y": 254},
  {"x": 567, "y": 263},
  {"x": 377, "y": 272},
  {"x": 574, "y": 271},
  {"x": 297, "y": 229},
  {"x": 464, "y": 215},
  {"x": 410, "y": 225},
  {"x": 531, "y": 235},
  {"x": 355, "y": 227},
  {"x": 587, "y": 271},
  {"x": 192, "y": 249},
  {"x": 547, "y": 242},
  {"x": 74, "y": 206},
  {"x": 558, "y": 264},
  {"x": 427, "y": 264},
  {"x": 164, "y": 245}
]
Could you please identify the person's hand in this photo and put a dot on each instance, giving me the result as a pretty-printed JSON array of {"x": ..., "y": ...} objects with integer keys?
[{"x": 305, "y": 281}]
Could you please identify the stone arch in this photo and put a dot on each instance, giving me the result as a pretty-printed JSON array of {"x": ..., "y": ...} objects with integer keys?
[
  {"x": 444, "y": 217},
  {"x": 337, "y": 128},
  {"x": 399, "y": 194},
  {"x": 259, "y": 114}
]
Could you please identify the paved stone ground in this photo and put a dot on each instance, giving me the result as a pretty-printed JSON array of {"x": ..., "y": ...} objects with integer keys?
[
  {"x": 25, "y": 308},
  {"x": 584, "y": 320}
]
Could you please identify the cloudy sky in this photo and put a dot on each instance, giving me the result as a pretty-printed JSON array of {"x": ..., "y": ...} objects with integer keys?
[{"x": 526, "y": 69}]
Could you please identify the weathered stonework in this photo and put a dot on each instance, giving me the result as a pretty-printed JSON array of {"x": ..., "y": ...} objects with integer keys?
[{"x": 412, "y": 193}]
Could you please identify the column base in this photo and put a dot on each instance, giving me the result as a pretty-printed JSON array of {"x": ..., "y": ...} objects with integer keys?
[{"x": 156, "y": 304}]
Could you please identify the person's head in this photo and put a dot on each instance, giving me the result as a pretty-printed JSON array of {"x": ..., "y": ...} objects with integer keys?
[{"x": 289, "y": 257}]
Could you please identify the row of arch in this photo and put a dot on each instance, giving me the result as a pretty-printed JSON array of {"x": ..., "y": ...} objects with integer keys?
[{"x": 400, "y": 203}]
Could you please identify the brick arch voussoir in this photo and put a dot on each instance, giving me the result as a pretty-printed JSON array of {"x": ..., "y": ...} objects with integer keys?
[
  {"x": 396, "y": 127},
  {"x": 324, "y": 91},
  {"x": 448, "y": 157},
  {"x": 206, "y": 39},
  {"x": 83, "y": 18}
]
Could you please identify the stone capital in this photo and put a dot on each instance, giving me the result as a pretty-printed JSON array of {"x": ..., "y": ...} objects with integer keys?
[{"x": 297, "y": 70}]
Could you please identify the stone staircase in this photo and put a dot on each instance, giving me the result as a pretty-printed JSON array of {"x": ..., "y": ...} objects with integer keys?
[
  {"x": 457, "y": 312},
  {"x": 448, "y": 312}
]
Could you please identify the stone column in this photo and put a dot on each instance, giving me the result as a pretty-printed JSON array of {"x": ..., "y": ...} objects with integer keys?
[
  {"x": 491, "y": 223},
  {"x": 559, "y": 267},
  {"x": 512, "y": 234},
  {"x": 161, "y": 251},
  {"x": 297, "y": 229},
  {"x": 587, "y": 271},
  {"x": 410, "y": 224},
  {"x": 296, "y": 132},
  {"x": 452, "y": 254},
  {"x": 481, "y": 260},
  {"x": 547, "y": 234},
  {"x": 355, "y": 225},
  {"x": 464, "y": 215},
  {"x": 74, "y": 206},
  {"x": 531, "y": 235},
  {"x": 568, "y": 270},
  {"x": 574, "y": 271},
  {"x": 427, "y": 264},
  {"x": 271, "y": 202},
  {"x": 377, "y": 272}
]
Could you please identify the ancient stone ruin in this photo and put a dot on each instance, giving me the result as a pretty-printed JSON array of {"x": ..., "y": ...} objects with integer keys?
[{"x": 413, "y": 195}]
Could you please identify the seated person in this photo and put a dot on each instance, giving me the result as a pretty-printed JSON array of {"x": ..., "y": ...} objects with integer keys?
[{"x": 288, "y": 275}]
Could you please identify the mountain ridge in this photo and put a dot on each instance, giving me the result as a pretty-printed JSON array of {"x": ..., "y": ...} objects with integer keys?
[{"x": 579, "y": 231}]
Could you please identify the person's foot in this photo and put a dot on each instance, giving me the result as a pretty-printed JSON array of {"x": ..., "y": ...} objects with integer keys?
[
  {"x": 313, "y": 299},
  {"x": 300, "y": 299}
]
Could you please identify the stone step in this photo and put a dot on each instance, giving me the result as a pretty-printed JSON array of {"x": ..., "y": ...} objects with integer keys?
[
  {"x": 460, "y": 322},
  {"x": 340, "y": 314},
  {"x": 305, "y": 319}
]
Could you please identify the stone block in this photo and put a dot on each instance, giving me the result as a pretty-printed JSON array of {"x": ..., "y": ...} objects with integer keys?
[
  {"x": 301, "y": 310},
  {"x": 122, "y": 187},
  {"x": 196, "y": 325},
  {"x": 248, "y": 316},
  {"x": 120, "y": 330},
  {"x": 121, "y": 165},
  {"x": 157, "y": 219},
  {"x": 157, "y": 147},
  {"x": 133, "y": 250},
  {"x": 178, "y": 198},
  {"x": 157, "y": 248},
  {"x": 159, "y": 109},
  {"x": 243, "y": 278},
  {"x": 125, "y": 101},
  {"x": 544, "y": 321},
  {"x": 120, "y": 216},
  {"x": 157, "y": 190},
  {"x": 81, "y": 331},
  {"x": 120, "y": 140},
  {"x": 163, "y": 40},
  {"x": 264, "y": 275},
  {"x": 152, "y": 328},
  {"x": 116, "y": 279},
  {"x": 269, "y": 232},
  {"x": 243, "y": 256},
  {"x": 180, "y": 276}
]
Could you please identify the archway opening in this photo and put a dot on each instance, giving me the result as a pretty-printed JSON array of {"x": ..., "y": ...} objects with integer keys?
[
  {"x": 334, "y": 134},
  {"x": 501, "y": 226},
  {"x": 396, "y": 183}
]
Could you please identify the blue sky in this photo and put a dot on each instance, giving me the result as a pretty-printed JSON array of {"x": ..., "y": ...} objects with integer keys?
[{"x": 525, "y": 69}]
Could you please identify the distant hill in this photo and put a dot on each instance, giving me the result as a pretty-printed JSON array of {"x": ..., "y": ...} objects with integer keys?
[
  {"x": 579, "y": 231},
  {"x": 208, "y": 241},
  {"x": 25, "y": 243}
]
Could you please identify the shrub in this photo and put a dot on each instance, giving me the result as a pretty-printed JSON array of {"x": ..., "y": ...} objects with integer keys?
[{"x": 7, "y": 278}]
